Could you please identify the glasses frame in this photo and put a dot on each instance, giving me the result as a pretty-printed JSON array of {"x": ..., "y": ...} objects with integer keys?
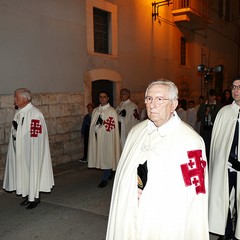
[
  {"x": 235, "y": 87},
  {"x": 157, "y": 100}
]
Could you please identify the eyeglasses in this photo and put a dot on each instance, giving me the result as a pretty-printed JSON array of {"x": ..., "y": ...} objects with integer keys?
[
  {"x": 158, "y": 100},
  {"x": 235, "y": 87}
]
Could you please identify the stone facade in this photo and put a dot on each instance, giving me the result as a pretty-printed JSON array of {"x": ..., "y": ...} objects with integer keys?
[{"x": 63, "y": 113}]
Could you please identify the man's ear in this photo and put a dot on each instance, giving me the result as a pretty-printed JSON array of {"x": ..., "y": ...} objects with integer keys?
[{"x": 174, "y": 104}]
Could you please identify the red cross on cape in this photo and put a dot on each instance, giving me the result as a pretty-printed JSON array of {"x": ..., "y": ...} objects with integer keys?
[
  {"x": 193, "y": 171},
  {"x": 109, "y": 124},
  {"x": 36, "y": 128}
]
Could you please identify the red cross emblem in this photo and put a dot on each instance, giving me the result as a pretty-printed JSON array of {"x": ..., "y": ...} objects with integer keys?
[
  {"x": 109, "y": 124},
  {"x": 193, "y": 171},
  {"x": 36, "y": 128}
]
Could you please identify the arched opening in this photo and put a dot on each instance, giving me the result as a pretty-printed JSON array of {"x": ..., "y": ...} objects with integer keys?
[{"x": 113, "y": 78}]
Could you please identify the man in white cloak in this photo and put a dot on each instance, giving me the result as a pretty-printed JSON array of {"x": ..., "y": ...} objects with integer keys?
[
  {"x": 128, "y": 115},
  {"x": 160, "y": 187},
  {"x": 224, "y": 170},
  {"x": 104, "y": 142},
  {"x": 28, "y": 169}
]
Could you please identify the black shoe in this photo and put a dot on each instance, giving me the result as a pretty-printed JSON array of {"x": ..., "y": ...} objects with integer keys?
[
  {"x": 32, "y": 205},
  {"x": 225, "y": 237},
  {"x": 25, "y": 202},
  {"x": 111, "y": 176},
  {"x": 83, "y": 160},
  {"x": 102, "y": 184},
  {"x": 221, "y": 238}
]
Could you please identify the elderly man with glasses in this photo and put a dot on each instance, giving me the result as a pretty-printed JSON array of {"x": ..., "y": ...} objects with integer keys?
[
  {"x": 128, "y": 115},
  {"x": 160, "y": 188}
]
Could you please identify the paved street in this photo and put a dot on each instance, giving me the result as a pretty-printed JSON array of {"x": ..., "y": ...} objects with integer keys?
[{"x": 75, "y": 209}]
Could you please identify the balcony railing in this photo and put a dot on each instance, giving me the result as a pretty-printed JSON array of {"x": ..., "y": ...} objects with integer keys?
[{"x": 194, "y": 13}]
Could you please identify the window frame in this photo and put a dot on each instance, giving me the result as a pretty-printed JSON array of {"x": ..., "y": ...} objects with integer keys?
[
  {"x": 113, "y": 28},
  {"x": 101, "y": 20}
]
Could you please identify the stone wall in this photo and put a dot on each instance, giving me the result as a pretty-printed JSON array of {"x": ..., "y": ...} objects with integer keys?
[
  {"x": 63, "y": 113},
  {"x": 138, "y": 98}
]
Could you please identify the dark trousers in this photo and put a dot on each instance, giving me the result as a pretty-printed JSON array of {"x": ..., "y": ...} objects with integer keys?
[
  {"x": 232, "y": 182},
  {"x": 85, "y": 150},
  {"x": 206, "y": 135},
  {"x": 106, "y": 174}
]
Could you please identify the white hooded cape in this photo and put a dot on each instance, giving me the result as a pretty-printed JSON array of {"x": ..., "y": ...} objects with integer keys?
[
  {"x": 169, "y": 207},
  {"x": 222, "y": 137},
  {"x": 28, "y": 169},
  {"x": 104, "y": 142},
  {"x": 130, "y": 120}
]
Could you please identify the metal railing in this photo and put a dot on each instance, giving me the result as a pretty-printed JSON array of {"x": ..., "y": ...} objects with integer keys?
[{"x": 199, "y": 7}]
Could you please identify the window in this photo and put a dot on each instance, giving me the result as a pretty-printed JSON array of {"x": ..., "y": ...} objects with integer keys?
[
  {"x": 238, "y": 8},
  {"x": 220, "y": 8},
  {"x": 227, "y": 11},
  {"x": 183, "y": 51},
  {"x": 101, "y": 27},
  {"x": 101, "y": 20},
  {"x": 224, "y": 9}
]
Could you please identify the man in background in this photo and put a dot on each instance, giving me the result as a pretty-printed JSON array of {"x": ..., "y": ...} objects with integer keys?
[
  {"x": 207, "y": 113},
  {"x": 104, "y": 143},
  {"x": 85, "y": 130},
  {"x": 128, "y": 114},
  {"x": 28, "y": 169},
  {"x": 224, "y": 170}
]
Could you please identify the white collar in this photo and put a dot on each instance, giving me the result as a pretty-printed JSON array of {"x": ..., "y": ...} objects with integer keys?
[
  {"x": 26, "y": 108},
  {"x": 125, "y": 102},
  {"x": 104, "y": 107},
  {"x": 166, "y": 127}
]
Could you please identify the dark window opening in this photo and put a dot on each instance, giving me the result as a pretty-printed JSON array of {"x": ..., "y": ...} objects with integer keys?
[
  {"x": 101, "y": 30},
  {"x": 183, "y": 52},
  {"x": 224, "y": 9}
]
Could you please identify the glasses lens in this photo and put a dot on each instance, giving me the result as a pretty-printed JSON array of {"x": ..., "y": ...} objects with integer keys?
[{"x": 235, "y": 87}]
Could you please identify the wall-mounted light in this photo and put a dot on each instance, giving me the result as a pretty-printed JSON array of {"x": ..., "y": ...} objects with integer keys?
[
  {"x": 208, "y": 72},
  {"x": 156, "y": 5},
  {"x": 203, "y": 68}
]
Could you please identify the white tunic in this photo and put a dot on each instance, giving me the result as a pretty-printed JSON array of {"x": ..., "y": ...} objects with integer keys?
[
  {"x": 104, "y": 142},
  {"x": 222, "y": 137},
  {"x": 28, "y": 168},
  {"x": 171, "y": 206},
  {"x": 130, "y": 120}
]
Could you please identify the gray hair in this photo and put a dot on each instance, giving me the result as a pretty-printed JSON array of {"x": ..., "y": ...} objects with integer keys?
[
  {"x": 173, "y": 90},
  {"x": 25, "y": 93}
]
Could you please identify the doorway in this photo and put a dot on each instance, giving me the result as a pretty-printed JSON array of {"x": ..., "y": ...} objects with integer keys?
[{"x": 109, "y": 77}]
